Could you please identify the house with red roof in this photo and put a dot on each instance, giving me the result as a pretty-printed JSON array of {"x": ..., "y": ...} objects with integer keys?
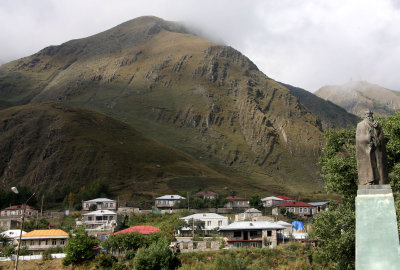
[
  {"x": 286, "y": 198},
  {"x": 17, "y": 210},
  {"x": 206, "y": 194},
  {"x": 297, "y": 208},
  {"x": 237, "y": 202},
  {"x": 140, "y": 229}
]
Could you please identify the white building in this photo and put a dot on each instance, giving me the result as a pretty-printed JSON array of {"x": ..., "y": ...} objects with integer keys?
[
  {"x": 256, "y": 234},
  {"x": 101, "y": 221},
  {"x": 271, "y": 201},
  {"x": 39, "y": 240},
  {"x": 249, "y": 214},
  {"x": 211, "y": 221},
  {"x": 13, "y": 235},
  {"x": 168, "y": 201},
  {"x": 101, "y": 204}
]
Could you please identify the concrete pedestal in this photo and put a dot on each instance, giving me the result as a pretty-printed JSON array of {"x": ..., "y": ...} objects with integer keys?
[{"x": 377, "y": 241}]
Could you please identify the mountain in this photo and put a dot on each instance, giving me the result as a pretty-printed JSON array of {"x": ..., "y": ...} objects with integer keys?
[
  {"x": 356, "y": 97},
  {"x": 331, "y": 115},
  {"x": 184, "y": 91},
  {"x": 48, "y": 145}
]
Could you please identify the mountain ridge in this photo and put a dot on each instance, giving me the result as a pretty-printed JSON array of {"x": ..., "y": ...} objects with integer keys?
[{"x": 206, "y": 99}]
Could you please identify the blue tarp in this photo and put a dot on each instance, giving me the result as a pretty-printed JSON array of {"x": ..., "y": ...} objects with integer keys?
[{"x": 298, "y": 225}]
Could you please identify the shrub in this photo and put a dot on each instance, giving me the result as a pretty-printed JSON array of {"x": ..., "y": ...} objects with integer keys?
[
  {"x": 80, "y": 248},
  {"x": 47, "y": 253},
  {"x": 105, "y": 261},
  {"x": 157, "y": 256}
]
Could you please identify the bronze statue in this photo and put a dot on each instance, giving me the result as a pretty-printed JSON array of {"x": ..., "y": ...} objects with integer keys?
[{"x": 371, "y": 152}]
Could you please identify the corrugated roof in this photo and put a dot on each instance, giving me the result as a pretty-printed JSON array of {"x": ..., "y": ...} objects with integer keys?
[
  {"x": 283, "y": 223},
  {"x": 171, "y": 197},
  {"x": 100, "y": 200},
  {"x": 318, "y": 203},
  {"x": 19, "y": 207},
  {"x": 271, "y": 198},
  {"x": 100, "y": 213},
  {"x": 204, "y": 215},
  {"x": 295, "y": 204},
  {"x": 252, "y": 225},
  {"x": 42, "y": 233},
  {"x": 140, "y": 229},
  {"x": 252, "y": 210}
]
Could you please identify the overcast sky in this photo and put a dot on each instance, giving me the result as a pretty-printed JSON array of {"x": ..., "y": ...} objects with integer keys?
[{"x": 306, "y": 43}]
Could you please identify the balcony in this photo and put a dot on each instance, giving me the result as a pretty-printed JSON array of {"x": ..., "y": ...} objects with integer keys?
[{"x": 41, "y": 247}]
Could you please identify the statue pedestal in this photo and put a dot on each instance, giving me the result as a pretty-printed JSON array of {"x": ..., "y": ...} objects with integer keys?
[{"x": 377, "y": 240}]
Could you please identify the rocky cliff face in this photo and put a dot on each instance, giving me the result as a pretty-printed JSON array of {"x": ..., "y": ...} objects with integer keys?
[{"x": 206, "y": 99}]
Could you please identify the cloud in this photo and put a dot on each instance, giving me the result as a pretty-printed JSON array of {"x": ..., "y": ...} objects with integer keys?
[{"x": 306, "y": 43}]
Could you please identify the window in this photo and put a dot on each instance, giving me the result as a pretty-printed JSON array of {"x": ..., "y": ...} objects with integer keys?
[
  {"x": 62, "y": 242},
  {"x": 269, "y": 233},
  {"x": 87, "y": 205},
  {"x": 292, "y": 209},
  {"x": 111, "y": 204},
  {"x": 209, "y": 223},
  {"x": 253, "y": 233},
  {"x": 106, "y": 204},
  {"x": 219, "y": 223},
  {"x": 238, "y": 244},
  {"x": 254, "y": 244},
  {"x": 237, "y": 234},
  {"x": 300, "y": 210},
  {"x": 306, "y": 210},
  {"x": 47, "y": 242},
  {"x": 287, "y": 209},
  {"x": 89, "y": 218},
  {"x": 32, "y": 243},
  {"x": 54, "y": 242}
]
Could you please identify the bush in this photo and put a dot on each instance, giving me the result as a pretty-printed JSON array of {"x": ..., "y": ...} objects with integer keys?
[
  {"x": 129, "y": 255},
  {"x": 105, "y": 261},
  {"x": 157, "y": 256},
  {"x": 80, "y": 248},
  {"x": 119, "y": 266},
  {"x": 47, "y": 253},
  {"x": 7, "y": 251}
]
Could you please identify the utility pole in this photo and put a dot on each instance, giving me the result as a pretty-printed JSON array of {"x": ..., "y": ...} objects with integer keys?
[
  {"x": 188, "y": 201},
  {"x": 41, "y": 207}
]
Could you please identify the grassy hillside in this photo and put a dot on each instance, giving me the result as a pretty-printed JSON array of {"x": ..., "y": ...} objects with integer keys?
[{"x": 205, "y": 99}]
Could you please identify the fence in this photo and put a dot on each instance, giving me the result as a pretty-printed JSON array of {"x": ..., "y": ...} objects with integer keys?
[{"x": 31, "y": 257}]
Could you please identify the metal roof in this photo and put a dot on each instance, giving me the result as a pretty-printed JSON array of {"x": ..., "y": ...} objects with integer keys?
[
  {"x": 56, "y": 233},
  {"x": 204, "y": 215},
  {"x": 171, "y": 197},
  {"x": 318, "y": 203},
  {"x": 252, "y": 225},
  {"x": 252, "y": 210},
  {"x": 100, "y": 213},
  {"x": 271, "y": 198},
  {"x": 100, "y": 200}
]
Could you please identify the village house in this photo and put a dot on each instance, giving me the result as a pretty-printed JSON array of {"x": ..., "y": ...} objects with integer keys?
[
  {"x": 9, "y": 223},
  {"x": 39, "y": 240},
  {"x": 100, "y": 204},
  {"x": 16, "y": 211},
  {"x": 209, "y": 195},
  {"x": 211, "y": 221},
  {"x": 101, "y": 221},
  {"x": 13, "y": 235},
  {"x": 271, "y": 201},
  {"x": 252, "y": 234},
  {"x": 319, "y": 206},
  {"x": 249, "y": 214},
  {"x": 168, "y": 201},
  {"x": 297, "y": 208},
  {"x": 237, "y": 202}
]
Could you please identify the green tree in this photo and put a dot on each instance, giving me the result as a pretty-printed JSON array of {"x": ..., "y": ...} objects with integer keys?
[
  {"x": 157, "y": 256},
  {"x": 80, "y": 248},
  {"x": 255, "y": 202}
]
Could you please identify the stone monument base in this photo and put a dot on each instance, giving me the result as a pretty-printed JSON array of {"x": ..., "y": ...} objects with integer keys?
[{"x": 377, "y": 240}]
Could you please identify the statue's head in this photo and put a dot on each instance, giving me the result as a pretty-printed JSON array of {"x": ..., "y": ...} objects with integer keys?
[{"x": 368, "y": 114}]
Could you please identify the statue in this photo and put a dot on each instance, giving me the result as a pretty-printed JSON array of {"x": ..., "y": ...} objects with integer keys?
[{"x": 371, "y": 152}]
